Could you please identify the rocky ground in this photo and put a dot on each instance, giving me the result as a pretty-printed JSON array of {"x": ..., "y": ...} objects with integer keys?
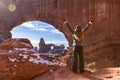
[
  {"x": 19, "y": 61},
  {"x": 66, "y": 74}
]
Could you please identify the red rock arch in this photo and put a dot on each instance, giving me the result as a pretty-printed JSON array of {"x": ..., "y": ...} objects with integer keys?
[{"x": 101, "y": 36}]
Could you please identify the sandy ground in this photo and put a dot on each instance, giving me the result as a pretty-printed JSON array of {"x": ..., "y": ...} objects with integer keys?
[{"x": 66, "y": 74}]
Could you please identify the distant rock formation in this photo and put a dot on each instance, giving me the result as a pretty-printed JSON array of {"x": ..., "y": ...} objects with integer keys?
[
  {"x": 58, "y": 49},
  {"x": 44, "y": 48},
  {"x": 36, "y": 49},
  {"x": 51, "y": 48}
]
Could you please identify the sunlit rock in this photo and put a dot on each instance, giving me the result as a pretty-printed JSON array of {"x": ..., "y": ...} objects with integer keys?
[
  {"x": 16, "y": 43},
  {"x": 23, "y": 64},
  {"x": 101, "y": 42}
]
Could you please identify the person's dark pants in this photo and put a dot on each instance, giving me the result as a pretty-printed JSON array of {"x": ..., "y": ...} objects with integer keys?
[{"x": 78, "y": 59}]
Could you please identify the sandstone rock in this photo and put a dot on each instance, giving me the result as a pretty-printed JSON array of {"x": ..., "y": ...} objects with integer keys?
[
  {"x": 60, "y": 59},
  {"x": 66, "y": 74},
  {"x": 50, "y": 48},
  {"x": 105, "y": 12},
  {"x": 4, "y": 35},
  {"x": 43, "y": 47},
  {"x": 22, "y": 64},
  {"x": 16, "y": 43}
]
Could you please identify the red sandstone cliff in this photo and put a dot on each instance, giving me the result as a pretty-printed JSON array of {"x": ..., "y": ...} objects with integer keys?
[{"x": 101, "y": 38}]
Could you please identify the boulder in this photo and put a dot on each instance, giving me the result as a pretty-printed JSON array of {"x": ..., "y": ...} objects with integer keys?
[
  {"x": 22, "y": 64},
  {"x": 16, "y": 43}
]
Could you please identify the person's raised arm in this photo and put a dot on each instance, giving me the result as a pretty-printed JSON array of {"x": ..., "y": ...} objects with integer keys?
[
  {"x": 87, "y": 26},
  {"x": 68, "y": 26}
]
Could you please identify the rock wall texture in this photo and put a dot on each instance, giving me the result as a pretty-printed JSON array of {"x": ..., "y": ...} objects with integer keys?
[
  {"x": 10, "y": 44},
  {"x": 18, "y": 61},
  {"x": 105, "y": 29}
]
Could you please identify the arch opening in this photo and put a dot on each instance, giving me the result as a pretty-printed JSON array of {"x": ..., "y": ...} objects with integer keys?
[{"x": 35, "y": 30}]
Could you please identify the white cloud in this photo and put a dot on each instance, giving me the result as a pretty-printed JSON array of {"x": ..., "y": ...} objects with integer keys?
[
  {"x": 65, "y": 43},
  {"x": 28, "y": 25},
  {"x": 33, "y": 26},
  {"x": 57, "y": 42},
  {"x": 40, "y": 26},
  {"x": 34, "y": 41},
  {"x": 56, "y": 31},
  {"x": 40, "y": 29}
]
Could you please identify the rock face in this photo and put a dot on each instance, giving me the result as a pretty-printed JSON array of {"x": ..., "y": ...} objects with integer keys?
[
  {"x": 21, "y": 62},
  {"x": 43, "y": 47},
  {"x": 49, "y": 48},
  {"x": 16, "y": 65},
  {"x": 105, "y": 12},
  {"x": 10, "y": 44}
]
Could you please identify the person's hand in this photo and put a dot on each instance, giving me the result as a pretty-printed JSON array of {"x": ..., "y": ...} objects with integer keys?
[{"x": 91, "y": 21}]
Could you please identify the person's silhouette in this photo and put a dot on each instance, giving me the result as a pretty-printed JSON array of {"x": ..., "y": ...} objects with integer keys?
[{"x": 78, "y": 59}]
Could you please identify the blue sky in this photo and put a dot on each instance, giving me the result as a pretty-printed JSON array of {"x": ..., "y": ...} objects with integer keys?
[{"x": 34, "y": 30}]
